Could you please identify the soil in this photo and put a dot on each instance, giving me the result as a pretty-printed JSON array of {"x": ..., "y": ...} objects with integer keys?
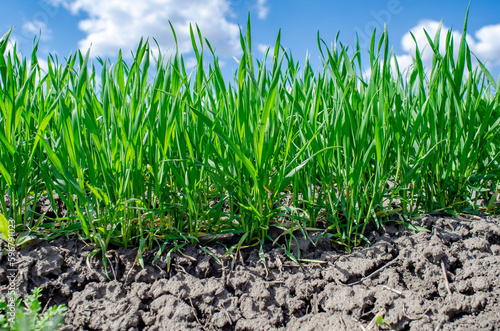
[{"x": 446, "y": 279}]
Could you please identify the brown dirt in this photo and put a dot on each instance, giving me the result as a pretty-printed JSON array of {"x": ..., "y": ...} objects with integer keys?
[{"x": 400, "y": 277}]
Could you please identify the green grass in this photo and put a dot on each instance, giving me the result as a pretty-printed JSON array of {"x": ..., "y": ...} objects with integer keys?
[
  {"x": 156, "y": 154},
  {"x": 28, "y": 314}
]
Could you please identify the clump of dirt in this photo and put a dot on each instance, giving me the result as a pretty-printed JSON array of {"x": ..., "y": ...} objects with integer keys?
[{"x": 446, "y": 279}]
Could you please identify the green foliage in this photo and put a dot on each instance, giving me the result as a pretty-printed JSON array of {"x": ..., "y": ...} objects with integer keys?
[
  {"x": 382, "y": 322},
  {"x": 29, "y": 316},
  {"x": 149, "y": 153}
]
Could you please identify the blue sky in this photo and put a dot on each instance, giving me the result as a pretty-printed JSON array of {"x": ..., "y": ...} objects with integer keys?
[{"x": 109, "y": 25}]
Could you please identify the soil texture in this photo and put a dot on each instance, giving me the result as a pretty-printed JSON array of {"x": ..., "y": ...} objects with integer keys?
[{"x": 445, "y": 279}]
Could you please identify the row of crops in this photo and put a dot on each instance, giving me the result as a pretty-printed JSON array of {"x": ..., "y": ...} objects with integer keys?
[{"x": 145, "y": 152}]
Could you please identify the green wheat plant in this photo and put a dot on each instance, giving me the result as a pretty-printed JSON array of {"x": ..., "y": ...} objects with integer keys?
[{"x": 143, "y": 152}]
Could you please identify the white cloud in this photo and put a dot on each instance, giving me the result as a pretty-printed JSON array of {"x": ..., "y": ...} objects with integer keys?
[
  {"x": 263, "y": 48},
  {"x": 262, "y": 9},
  {"x": 485, "y": 45},
  {"x": 408, "y": 44},
  {"x": 35, "y": 27},
  {"x": 190, "y": 62},
  {"x": 119, "y": 24}
]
